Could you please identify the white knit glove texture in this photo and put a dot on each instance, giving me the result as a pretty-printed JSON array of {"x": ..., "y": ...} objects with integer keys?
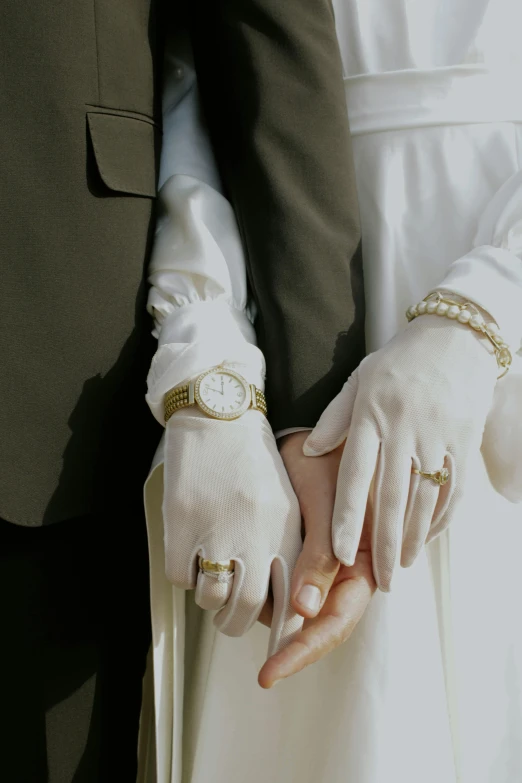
[
  {"x": 228, "y": 497},
  {"x": 502, "y": 441},
  {"x": 419, "y": 402}
]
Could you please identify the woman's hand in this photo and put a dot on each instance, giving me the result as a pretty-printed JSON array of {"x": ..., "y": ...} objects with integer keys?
[{"x": 421, "y": 402}]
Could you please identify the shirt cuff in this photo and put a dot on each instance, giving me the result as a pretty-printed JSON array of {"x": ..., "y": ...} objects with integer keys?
[
  {"x": 211, "y": 320},
  {"x": 290, "y": 431},
  {"x": 197, "y": 337}
]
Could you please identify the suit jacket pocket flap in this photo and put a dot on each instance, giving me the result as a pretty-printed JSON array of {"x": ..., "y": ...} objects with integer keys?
[{"x": 124, "y": 148}]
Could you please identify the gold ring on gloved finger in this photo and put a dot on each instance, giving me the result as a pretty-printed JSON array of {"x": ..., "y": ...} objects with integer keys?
[
  {"x": 214, "y": 583},
  {"x": 223, "y": 570},
  {"x": 440, "y": 477}
]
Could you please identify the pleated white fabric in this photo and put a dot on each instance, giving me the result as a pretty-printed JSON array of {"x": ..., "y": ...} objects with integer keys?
[{"x": 429, "y": 687}]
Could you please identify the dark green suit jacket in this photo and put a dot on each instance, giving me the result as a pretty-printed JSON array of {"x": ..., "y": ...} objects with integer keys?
[{"x": 79, "y": 140}]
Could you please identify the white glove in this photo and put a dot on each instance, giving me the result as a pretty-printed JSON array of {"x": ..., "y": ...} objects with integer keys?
[
  {"x": 502, "y": 441},
  {"x": 420, "y": 402},
  {"x": 228, "y": 497}
]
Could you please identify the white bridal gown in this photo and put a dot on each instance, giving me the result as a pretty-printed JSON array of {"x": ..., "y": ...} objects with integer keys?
[{"x": 429, "y": 687}]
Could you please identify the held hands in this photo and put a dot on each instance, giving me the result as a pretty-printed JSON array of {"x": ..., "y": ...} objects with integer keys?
[
  {"x": 421, "y": 402},
  {"x": 255, "y": 520},
  {"x": 228, "y": 497}
]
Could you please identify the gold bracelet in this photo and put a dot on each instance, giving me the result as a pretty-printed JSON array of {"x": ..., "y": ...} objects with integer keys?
[{"x": 465, "y": 313}]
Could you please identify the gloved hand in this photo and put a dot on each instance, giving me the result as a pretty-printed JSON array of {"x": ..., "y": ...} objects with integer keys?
[
  {"x": 502, "y": 441},
  {"x": 228, "y": 497},
  {"x": 421, "y": 402}
]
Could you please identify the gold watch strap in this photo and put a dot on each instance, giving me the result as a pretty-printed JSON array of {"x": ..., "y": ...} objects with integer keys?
[
  {"x": 258, "y": 399},
  {"x": 178, "y": 398},
  {"x": 183, "y": 397}
]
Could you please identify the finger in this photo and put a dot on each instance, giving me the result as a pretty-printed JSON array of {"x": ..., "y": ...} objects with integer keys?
[
  {"x": 180, "y": 571},
  {"x": 450, "y": 495},
  {"x": 332, "y": 428},
  {"x": 355, "y": 476},
  {"x": 422, "y": 502},
  {"x": 317, "y": 566},
  {"x": 286, "y": 623},
  {"x": 350, "y": 599},
  {"x": 315, "y": 571},
  {"x": 213, "y": 590},
  {"x": 392, "y": 483},
  {"x": 247, "y": 598},
  {"x": 265, "y": 618}
]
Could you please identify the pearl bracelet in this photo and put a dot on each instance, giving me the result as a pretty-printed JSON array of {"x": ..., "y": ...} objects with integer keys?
[{"x": 465, "y": 313}]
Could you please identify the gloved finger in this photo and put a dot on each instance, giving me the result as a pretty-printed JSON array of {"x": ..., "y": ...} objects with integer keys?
[
  {"x": 180, "y": 571},
  {"x": 353, "y": 486},
  {"x": 247, "y": 597},
  {"x": 286, "y": 623},
  {"x": 422, "y": 502},
  {"x": 392, "y": 484},
  {"x": 213, "y": 589},
  {"x": 181, "y": 568},
  {"x": 450, "y": 495},
  {"x": 332, "y": 428},
  {"x": 315, "y": 570}
]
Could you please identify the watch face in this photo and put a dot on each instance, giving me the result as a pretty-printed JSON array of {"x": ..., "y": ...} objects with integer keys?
[{"x": 222, "y": 394}]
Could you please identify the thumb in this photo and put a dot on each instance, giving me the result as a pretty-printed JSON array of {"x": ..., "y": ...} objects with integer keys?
[
  {"x": 332, "y": 428},
  {"x": 314, "y": 573}
]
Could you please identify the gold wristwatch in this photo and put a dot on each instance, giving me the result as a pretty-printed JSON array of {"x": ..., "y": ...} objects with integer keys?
[{"x": 220, "y": 393}]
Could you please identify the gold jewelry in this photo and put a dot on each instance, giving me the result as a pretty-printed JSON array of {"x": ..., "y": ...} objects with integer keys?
[
  {"x": 231, "y": 401},
  {"x": 465, "y": 313},
  {"x": 216, "y": 567},
  {"x": 440, "y": 477}
]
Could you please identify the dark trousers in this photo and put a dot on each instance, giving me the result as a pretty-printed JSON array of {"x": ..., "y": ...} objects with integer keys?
[{"x": 74, "y": 635}]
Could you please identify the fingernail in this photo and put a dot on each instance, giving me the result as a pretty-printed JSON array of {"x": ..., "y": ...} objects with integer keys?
[{"x": 309, "y": 597}]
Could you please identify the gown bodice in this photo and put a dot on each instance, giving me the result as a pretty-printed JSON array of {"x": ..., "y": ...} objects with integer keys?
[{"x": 391, "y": 35}]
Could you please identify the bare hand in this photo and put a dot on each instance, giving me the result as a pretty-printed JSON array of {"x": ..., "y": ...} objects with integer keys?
[{"x": 334, "y": 597}]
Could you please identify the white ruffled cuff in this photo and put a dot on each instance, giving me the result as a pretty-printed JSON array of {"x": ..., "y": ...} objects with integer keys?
[
  {"x": 199, "y": 336},
  {"x": 213, "y": 320}
]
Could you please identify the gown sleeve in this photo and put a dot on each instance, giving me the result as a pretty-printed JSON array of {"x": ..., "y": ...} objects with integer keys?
[
  {"x": 198, "y": 295},
  {"x": 491, "y": 276},
  {"x": 491, "y": 273}
]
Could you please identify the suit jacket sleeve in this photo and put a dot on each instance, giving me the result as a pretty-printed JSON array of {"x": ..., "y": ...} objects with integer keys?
[{"x": 271, "y": 82}]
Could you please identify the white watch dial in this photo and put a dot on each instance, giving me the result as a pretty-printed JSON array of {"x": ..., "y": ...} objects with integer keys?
[{"x": 222, "y": 394}]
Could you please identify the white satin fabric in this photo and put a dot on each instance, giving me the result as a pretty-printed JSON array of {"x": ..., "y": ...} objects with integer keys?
[
  {"x": 429, "y": 687},
  {"x": 198, "y": 294}
]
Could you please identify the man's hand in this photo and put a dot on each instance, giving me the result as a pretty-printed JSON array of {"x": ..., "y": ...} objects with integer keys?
[{"x": 333, "y": 598}]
